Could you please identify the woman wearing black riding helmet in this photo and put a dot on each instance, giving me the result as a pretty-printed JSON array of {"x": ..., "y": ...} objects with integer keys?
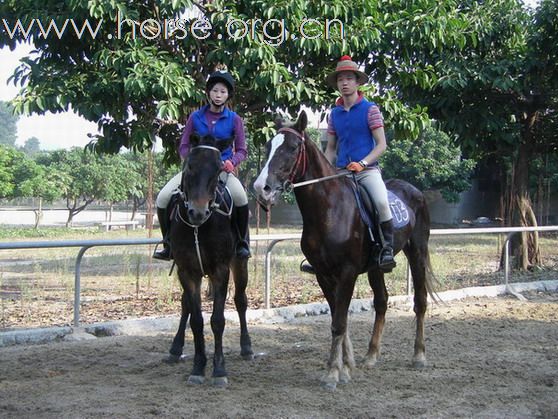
[{"x": 218, "y": 120}]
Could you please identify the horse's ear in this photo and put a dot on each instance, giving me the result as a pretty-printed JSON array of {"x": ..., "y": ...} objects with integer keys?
[
  {"x": 194, "y": 139},
  {"x": 224, "y": 144},
  {"x": 301, "y": 122},
  {"x": 279, "y": 122}
]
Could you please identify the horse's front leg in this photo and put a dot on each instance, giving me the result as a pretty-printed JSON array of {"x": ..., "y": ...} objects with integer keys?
[
  {"x": 177, "y": 346},
  {"x": 376, "y": 280},
  {"x": 240, "y": 276},
  {"x": 192, "y": 298},
  {"x": 348, "y": 359},
  {"x": 220, "y": 283},
  {"x": 341, "y": 349}
]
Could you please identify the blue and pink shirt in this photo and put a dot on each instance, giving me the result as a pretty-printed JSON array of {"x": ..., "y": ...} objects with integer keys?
[
  {"x": 353, "y": 129},
  {"x": 223, "y": 126}
]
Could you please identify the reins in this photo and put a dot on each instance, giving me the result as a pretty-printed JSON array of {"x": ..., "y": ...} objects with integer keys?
[{"x": 301, "y": 159}]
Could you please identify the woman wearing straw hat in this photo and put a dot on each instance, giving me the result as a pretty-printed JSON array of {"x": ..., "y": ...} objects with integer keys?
[{"x": 356, "y": 140}]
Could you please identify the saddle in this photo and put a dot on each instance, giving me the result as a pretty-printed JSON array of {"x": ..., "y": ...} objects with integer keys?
[{"x": 370, "y": 217}]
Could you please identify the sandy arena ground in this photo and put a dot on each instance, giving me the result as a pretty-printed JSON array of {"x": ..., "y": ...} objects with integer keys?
[{"x": 488, "y": 358}]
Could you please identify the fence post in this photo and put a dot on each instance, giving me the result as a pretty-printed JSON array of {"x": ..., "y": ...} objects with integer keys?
[{"x": 77, "y": 285}]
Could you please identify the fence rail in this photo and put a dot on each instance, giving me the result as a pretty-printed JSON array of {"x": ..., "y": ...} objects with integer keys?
[{"x": 273, "y": 239}]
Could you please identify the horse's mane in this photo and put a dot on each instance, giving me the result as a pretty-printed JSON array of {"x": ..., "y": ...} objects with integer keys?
[{"x": 314, "y": 149}]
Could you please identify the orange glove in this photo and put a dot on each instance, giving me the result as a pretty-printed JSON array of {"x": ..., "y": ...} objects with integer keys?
[
  {"x": 228, "y": 166},
  {"x": 355, "y": 167}
]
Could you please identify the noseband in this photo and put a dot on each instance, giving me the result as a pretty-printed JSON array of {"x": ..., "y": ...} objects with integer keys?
[{"x": 301, "y": 160}]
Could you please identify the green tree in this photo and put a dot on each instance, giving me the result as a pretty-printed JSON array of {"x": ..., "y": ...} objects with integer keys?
[
  {"x": 161, "y": 174},
  {"x": 125, "y": 82},
  {"x": 83, "y": 175},
  {"x": 500, "y": 96},
  {"x": 32, "y": 146},
  {"x": 8, "y": 124},
  {"x": 8, "y": 158},
  {"x": 432, "y": 161},
  {"x": 37, "y": 181}
]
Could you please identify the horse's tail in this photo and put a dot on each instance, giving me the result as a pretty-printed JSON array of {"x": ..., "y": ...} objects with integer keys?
[
  {"x": 431, "y": 280},
  {"x": 423, "y": 225}
]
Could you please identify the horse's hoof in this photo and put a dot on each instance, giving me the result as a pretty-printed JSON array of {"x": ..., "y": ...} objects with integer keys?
[
  {"x": 196, "y": 379},
  {"x": 220, "y": 382},
  {"x": 329, "y": 385},
  {"x": 247, "y": 355},
  {"x": 173, "y": 359},
  {"x": 420, "y": 363},
  {"x": 370, "y": 362},
  {"x": 345, "y": 375}
]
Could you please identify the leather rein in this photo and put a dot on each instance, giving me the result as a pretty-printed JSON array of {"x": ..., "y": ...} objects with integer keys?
[{"x": 302, "y": 160}]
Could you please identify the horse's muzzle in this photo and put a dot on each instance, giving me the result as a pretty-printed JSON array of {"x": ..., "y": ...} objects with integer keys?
[{"x": 197, "y": 215}]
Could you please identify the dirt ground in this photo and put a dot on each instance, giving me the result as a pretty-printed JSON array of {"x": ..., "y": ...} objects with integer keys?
[{"x": 488, "y": 358}]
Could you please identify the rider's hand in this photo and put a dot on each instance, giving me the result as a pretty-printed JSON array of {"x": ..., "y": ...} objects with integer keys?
[
  {"x": 228, "y": 166},
  {"x": 354, "y": 167}
]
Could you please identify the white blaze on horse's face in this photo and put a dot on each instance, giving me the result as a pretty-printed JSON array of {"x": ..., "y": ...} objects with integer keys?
[{"x": 266, "y": 193}]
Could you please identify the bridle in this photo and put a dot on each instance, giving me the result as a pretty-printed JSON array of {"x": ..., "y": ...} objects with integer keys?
[
  {"x": 301, "y": 159},
  {"x": 214, "y": 206}
]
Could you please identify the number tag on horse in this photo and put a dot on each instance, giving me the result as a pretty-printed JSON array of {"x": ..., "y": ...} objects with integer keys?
[{"x": 399, "y": 210}]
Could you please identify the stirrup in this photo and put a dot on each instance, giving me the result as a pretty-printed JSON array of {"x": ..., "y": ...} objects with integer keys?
[
  {"x": 164, "y": 254},
  {"x": 307, "y": 268},
  {"x": 243, "y": 250},
  {"x": 388, "y": 263}
]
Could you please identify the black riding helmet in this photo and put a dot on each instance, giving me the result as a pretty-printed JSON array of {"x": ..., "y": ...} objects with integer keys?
[{"x": 220, "y": 76}]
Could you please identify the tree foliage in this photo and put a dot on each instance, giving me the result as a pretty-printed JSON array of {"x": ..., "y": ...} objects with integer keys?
[
  {"x": 133, "y": 74},
  {"x": 32, "y": 146},
  {"x": 8, "y": 124},
  {"x": 432, "y": 161}
]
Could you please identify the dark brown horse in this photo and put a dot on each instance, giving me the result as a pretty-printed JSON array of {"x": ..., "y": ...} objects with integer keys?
[
  {"x": 203, "y": 244},
  {"x": 335, "y": 241}
]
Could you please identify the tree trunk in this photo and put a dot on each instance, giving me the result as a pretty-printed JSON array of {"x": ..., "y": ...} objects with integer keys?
[
  {"x": 39, "y": 213},
  {"x": 525, "y": 250}
]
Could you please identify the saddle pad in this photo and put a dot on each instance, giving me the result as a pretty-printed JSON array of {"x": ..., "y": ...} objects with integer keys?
[{"x": 399, "y": 210}]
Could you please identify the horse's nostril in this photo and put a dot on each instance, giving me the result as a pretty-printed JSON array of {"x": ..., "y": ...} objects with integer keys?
[{"x": 267, "y": 188}]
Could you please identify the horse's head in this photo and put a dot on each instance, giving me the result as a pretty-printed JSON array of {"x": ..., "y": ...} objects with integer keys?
[
  {"x": 200, "y": 174},
  {"x": 286, "y": 160}
]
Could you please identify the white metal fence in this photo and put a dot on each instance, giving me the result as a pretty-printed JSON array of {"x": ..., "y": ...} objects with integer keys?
[{"x": 272, "y": 240}]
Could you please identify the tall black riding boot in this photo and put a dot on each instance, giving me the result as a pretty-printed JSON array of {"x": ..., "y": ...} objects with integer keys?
[
  {"x": 164, "y": 222},
  {"x": 387, "y": 262},
  {"x": 243, "y": 235}
]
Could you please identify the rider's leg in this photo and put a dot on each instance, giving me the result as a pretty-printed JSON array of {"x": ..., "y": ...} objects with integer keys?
[
  {"x": 372, "y": 180},
  {"x": 162, "y": 202},
  {"x": 241, "y": 216}
]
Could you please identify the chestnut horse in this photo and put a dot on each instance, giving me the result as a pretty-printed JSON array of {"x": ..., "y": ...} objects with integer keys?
[
  {"x": 336, "y": 242},
  {"x": 203, "y": 244}
]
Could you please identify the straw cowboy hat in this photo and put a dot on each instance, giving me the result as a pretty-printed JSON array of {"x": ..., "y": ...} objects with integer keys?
[{"x": 345, "y": 63}]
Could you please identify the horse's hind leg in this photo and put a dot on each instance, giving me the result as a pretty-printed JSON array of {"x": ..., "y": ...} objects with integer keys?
[
  {"x": 417, "y": 256},
  {"x": 177, "y": 346},
  {"x": 376, "y": 280},
  {"x": 240, "y": 276}
]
